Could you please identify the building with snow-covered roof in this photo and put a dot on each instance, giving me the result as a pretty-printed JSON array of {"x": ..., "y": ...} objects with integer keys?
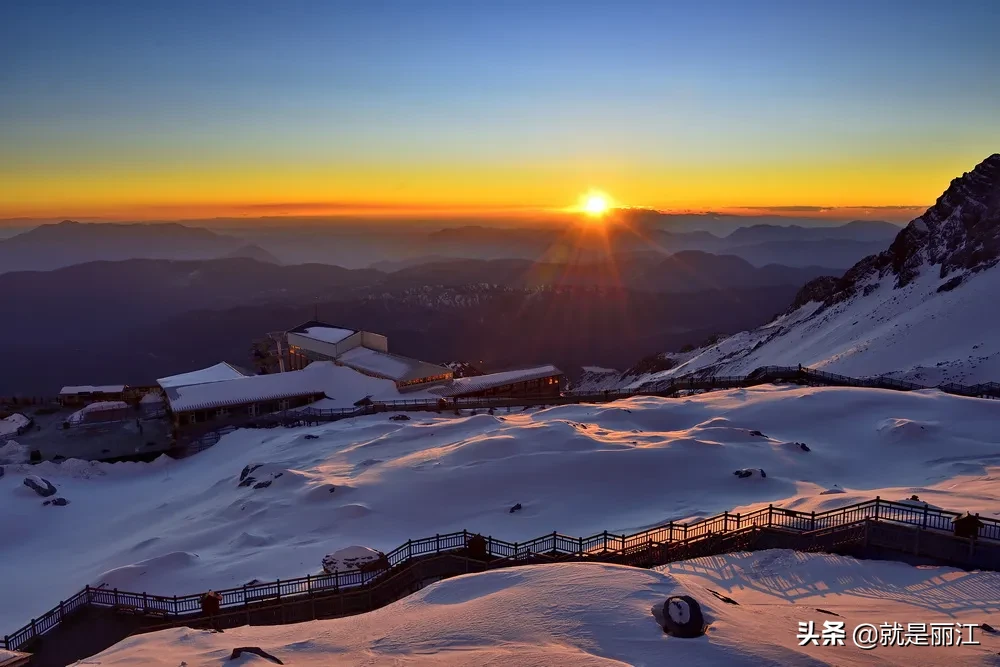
[
  {"x": 83, "y": 394},
  {"x": 538, "y": 381},
  {"x": 319, "y": 341},
  {"x": 245, "y": 395},
  {"x": 217, "y": 373},
  {"x": 364, "y": 351},
  {"x": 407, "y": 373}
]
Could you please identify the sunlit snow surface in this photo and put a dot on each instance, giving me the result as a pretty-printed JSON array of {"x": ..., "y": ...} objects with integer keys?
[
  {"x": 586, "y": 614},
  {"x": 176, "y": 527}
]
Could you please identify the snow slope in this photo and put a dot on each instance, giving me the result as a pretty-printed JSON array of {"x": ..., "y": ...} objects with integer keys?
[
  {"x": 176, "y": 527},
  {"x": 914, "y": 333},
  {"x": 589, "y": 614}
]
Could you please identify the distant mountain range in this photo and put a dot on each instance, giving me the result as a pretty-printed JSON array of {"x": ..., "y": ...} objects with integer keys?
[
  {"x": 67, "y": 243},
  {"x": 923, "y": 309},
  {"x": 131, "y": 320}
]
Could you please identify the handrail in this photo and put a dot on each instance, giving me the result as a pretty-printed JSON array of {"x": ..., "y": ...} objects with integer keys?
[{"x": 599, "y": 544}]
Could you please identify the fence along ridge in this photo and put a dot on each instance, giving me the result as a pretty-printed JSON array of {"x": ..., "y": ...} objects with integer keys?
[{"x": 600, "y": 543}]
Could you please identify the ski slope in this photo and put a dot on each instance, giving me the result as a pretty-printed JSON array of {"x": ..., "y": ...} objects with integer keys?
[
  {"x": 176, "y": 527},
  {"x": 589, "y": 614}
]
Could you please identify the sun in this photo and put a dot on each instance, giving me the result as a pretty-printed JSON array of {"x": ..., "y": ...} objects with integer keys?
[{"x": 595, "y": 204}]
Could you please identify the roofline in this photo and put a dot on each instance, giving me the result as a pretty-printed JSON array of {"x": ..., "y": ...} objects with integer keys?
[
  {"x": 257, "y": 399},
  {"x": 300, "y": 329}
]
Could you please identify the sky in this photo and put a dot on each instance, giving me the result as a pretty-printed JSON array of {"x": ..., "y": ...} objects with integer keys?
[{"x": 179, "y": 109}]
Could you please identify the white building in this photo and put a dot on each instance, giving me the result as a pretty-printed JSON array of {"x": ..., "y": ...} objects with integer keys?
[{"x": 364, "y": 351}]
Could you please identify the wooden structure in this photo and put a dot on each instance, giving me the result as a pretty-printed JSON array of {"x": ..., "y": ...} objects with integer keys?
[
  {"x": 876, "y": 528},
  {"x": 86, "y": 394}
]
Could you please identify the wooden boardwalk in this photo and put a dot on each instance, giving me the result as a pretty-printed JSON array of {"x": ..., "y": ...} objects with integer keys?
[{"x": 95, "y": 619}]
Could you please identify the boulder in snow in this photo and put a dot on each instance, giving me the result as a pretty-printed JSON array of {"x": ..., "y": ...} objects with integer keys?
[
  {"x": 682, "y": 617},
  {"x": 58, "y": 502},
  {"x": 515, "y": 508},
  {"x": 354, "y": 558},
  {"x": 247, "y": 469},
  {"x": 42, "y": 487},
  {"x": 400, "y": 418},
  {"x": 744, "y": 473},
  {"x": 833, "y": 489}
]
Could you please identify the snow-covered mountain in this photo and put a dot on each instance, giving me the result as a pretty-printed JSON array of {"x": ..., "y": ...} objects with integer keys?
[{"x": 924, "y": 309}]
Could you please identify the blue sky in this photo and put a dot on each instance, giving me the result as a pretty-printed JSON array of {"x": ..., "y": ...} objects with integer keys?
[{"x": 600, "y": 88}]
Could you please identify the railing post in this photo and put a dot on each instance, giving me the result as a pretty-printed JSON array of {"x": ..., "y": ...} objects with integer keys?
[
  {"x": 409, "y": 549},
  {"x": 554, "y": 541},
  {"x": 770, "y": 512},
  {"x": 813, "y": 522},
  {"x": 176, "y": 613},
  {"x": 309, "y": 588},
  {"x": 878, "y": 500},
  {"x": 145, "y": 602},
  {"x": 737, "y": 521},
  {"x": 924, "y": 524},
  {"x": 437, "y": 543},
  {"x": 116, "y": 597},
  {"x": 581, "y": 547},
  {"x": 61, "y": 611},
  {"x": 725, "y": 521},
  {"x": 336, "y": 580},
  {"x": 87, "y": 591},
  {"x": 605, "y": 540},
  {"x": 34, "y": 630},
  {"x": 278, "y": 582}
]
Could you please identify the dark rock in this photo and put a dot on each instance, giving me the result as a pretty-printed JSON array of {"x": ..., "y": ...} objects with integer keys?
[
  {"x": 951, "y": 284},
  {"x": 763, "y": 475},
  {"x": 332, "y": 489},
  {"x": 515, "y": 508},
  {"x": 59, "y": 458},
  {"x": 400, "y": 418},
  {"x": 59, "y": 502},
  {"x": 249, "y": 468},
  {"x": 758, "y": 434},
  {"x": 248, "y": 481},
  {"x": 310, "y": 436},
  {"x": 682, "y": 617},
  {"x": 804, "y": 447},
  {"x": 262, "y": 485},
  {"x": 42, "y": 487},
  {"x": 742, "y": 474},
  {"x": 278, "y": 474}
]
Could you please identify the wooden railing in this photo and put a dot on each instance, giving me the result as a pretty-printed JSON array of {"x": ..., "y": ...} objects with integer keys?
[{"x": 642, "y": 547}]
